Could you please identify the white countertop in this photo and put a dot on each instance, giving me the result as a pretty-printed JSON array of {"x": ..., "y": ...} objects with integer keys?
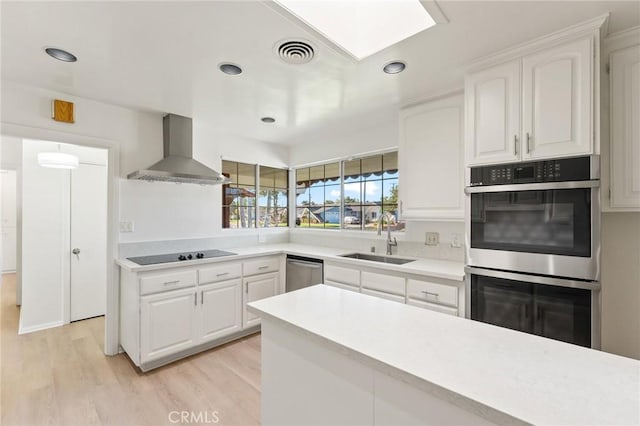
[
  {"x": 445, "y": 269},
  {"x": 527, "y": 378}
]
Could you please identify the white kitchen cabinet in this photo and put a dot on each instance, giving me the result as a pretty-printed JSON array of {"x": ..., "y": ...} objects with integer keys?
[
  {"x": 167, "y": 323},
  {"x": 624, "y": 148},
  {"x": 256, "y": 288},
  {"x": 492, "y": 115},
  {"x": 384, "y": 285},
  {"x": 220, "y": 310},
  {"x": 536, "y": 101},
  {"x": 383, "y": 295},
  {"x": 557, "y": 101},
  {"x": 342, "y": 286},
  {"x": 431, "y": 160}
]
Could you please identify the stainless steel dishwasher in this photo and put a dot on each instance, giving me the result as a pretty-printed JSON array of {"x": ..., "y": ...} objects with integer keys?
[{"x": 303, "y": 272}]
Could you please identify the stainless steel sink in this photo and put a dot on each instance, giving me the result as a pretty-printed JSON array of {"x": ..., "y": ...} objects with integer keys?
[{"x": 377, "y": 258}]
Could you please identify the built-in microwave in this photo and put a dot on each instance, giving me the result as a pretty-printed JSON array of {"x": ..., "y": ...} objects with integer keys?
[{"x": 540, "y": 218}]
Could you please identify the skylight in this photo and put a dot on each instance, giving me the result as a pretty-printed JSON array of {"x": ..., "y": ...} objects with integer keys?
[{"x": 362, "y": 27}]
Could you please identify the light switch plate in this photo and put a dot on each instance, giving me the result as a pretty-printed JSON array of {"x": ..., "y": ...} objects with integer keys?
[
  {"x": 455, "y": 241},
  {"x": 432, "y": 238},
  {"x": 126, "y": 226},
  {"x": 262, "y": 238}
]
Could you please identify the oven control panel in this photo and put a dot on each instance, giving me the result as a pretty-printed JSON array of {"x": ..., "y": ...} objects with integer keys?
[{"x": 561, "y": 170}]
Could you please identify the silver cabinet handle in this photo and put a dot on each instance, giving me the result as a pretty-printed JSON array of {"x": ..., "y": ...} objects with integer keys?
[
  {"x": 202, "y": 297},
  {"x": 528, "y": 140},
  {"x": 195, "y": 299},
  {"x": 428, "y": 293},
  {"x": 515, "y": 144},
  {"x": 222, "y": 274},
  {"x": 171, "y": 282}
]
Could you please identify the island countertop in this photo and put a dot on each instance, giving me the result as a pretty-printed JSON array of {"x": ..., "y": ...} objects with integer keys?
[{"x": 508, "y": 376}]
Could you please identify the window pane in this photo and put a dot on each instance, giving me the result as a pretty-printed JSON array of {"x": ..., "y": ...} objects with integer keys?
[
  {"x": 390, "y": 164},
  {"x": 302, "y": 198},
  {"x": 371, "y": 217},
  {"x": 332, "y": 173},
  {"x": 282, "y": 198},
  {"x": 373, "y": 192},
  {"x": 332, "y": 194},
  {"x": 372, "y": 167},
  {"x": 267, "y": 177},
  {"x": 302, "y": 217},
  {"x": 352, "y": 171},
  {"x": 352, "y": 217},
  {"x": 316, "y": 173},
  {"x": 317, "y": 196},
  {"x": 390, "y": 191},
  {"x": 282, "y": 179},
  {"x": 302, "y": 175},
  {"x": 246, "y": 174},
  {"x": 230, "y": 169},
  {"x": 352, "y": 193}
]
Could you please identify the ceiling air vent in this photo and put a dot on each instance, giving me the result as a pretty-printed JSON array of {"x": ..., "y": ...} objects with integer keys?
[{"x": 295, "y": 51}]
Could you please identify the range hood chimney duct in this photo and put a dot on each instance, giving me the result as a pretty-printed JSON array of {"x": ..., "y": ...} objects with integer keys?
[{"x": 178, "y": 164}]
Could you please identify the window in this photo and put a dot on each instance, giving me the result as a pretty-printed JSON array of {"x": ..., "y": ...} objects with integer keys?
[
  {"x": 370, "y": 189},
  {"x": 274, "y": 197},
  {"x": 352, "y": 193},
  {"x": 318, "y": 195},
  {"x": 249, "y": 203},
  {"x": 239, "y": 196}
]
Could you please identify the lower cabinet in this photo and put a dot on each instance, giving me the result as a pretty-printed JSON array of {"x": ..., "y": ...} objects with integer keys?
[
  {"x": 167, "y": 323},
  {"x": 220, "y": 310},
  {"x": 436, "y": 294},
  {"x": 256, "y": 288}
]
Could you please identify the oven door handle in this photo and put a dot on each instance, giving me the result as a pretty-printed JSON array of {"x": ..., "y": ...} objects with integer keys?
[
  {"x": 536, "y": 279},
  {"x": 533, "y": 186}
]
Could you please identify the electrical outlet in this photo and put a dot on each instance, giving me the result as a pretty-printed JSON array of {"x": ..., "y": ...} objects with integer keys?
[
  {"x": 432, "y": 238},
  {"x": 126, "y": 226},
  {"x": 455, "y": 241}
]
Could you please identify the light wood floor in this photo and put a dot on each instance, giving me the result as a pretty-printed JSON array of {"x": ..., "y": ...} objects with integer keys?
[{"x": 61, "y": 376}]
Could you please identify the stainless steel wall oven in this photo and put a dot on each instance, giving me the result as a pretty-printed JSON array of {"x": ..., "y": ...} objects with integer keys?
[{"x": 533, "y": 247}]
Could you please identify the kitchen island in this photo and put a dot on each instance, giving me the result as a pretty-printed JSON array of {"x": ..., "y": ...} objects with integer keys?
[{"x": 331, "y": 356}]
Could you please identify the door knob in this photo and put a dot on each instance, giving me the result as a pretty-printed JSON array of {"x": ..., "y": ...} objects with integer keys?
[{"x": 76, "y": 251}]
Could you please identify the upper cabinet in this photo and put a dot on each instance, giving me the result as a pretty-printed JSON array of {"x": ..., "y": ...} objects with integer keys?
[
  {"x": 493, "y": 114},
  {"x": 557, "y": 101},
  {"x": 538, "y": 100},
  {"x": 431, "y": 160},
  {"x": 624, "y": 148}
]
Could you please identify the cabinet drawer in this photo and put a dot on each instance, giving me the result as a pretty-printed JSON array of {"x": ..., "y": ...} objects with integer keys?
[
  {"x": 220, "y": 272},
  {"x": 384, "y": 283},
  {"x": 342, "y": 286},
  {"x": 261, "y": 266},
  {"x": 426, "y": 291},
  {"x": 167, "y": 281},
  {"x": 342, "y": 275},
  {"x": 433, "y": 307},
  {"x": 383, "y": 295}
]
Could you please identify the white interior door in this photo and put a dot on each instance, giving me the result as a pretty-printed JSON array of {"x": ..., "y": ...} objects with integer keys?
[
  {"x": 88, "y": 241},
  {"x": 9, "y": 249}
]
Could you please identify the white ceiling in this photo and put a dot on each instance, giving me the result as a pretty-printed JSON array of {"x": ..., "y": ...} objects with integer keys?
[{"x": 163, "y": 56}]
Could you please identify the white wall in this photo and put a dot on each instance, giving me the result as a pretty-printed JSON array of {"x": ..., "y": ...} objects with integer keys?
[
  {"x": 45, "y": 234},
  {"x": 9, "y": 220}
]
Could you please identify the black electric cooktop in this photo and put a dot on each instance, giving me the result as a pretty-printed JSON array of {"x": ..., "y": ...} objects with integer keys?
[{"x": 178, "y": 257}]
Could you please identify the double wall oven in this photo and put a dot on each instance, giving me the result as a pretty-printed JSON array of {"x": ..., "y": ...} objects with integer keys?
[{"x": 533, "y": 248}]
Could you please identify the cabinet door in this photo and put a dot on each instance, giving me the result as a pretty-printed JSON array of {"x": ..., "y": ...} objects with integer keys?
[
  {"x": 167, "y": 323},
  {"x": 432, "y": 160},
  {"x": 625, "y": 130},
  {"x": 220, "y": 311},
  {"x": 492, "y": 121},
  {"x": 256, "y": 288},
  {"x": 558, "y": 101}
]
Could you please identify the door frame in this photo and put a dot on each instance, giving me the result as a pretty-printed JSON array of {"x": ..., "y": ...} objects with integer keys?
[{"x": 111, "y": 336}]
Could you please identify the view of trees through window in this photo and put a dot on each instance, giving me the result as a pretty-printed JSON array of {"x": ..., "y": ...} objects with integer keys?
[
  {"x": 352, "y": 193},
  {"x": 249, "y": 203}
]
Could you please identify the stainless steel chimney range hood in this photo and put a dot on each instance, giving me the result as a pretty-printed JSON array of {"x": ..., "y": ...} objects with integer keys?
[{"x": 178, "y": 164}]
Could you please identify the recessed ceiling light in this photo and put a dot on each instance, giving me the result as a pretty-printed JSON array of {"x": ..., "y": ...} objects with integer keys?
[
  {"x": 362, "y": 28},
  {"x": 394, "y": 67},
  {"x": 229, "y": 68},
  {"x": 268, "y": 120},
  {"x": 61, "y": 55}
]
